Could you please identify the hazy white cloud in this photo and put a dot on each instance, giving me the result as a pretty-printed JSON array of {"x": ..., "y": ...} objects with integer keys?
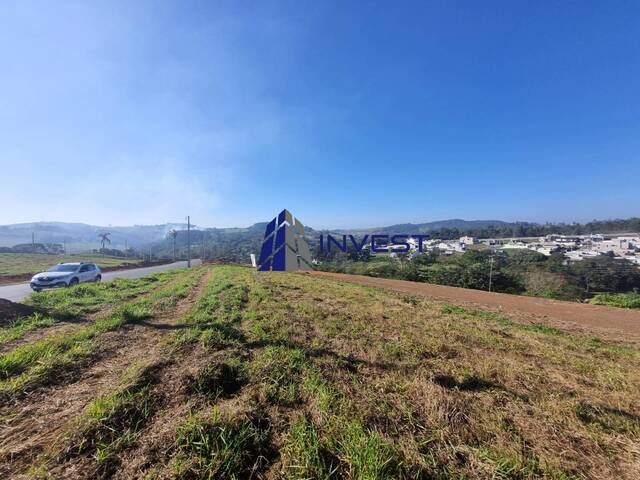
[{"x": 124, "y": 113}]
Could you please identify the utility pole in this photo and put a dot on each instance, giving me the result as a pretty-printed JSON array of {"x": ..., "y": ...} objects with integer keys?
[
  {"x": 188, "y": 241},
  {"x": 490, "y": 271}
]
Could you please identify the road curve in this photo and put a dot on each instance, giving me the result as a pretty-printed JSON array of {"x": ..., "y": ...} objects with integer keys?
[{"x": 18, "y": 292}]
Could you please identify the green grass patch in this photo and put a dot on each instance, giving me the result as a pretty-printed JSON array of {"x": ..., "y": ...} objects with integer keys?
[
  {"x": 278, "y": 369},
  {"x": 303, "y": 455},
  {"x": 214, "y": 319},
  {"x": 621, "y": 300},
  {"x": 365, "y": 454},
  {"x": 219, "y": 446},
  {"x": 20, "y": 327}
]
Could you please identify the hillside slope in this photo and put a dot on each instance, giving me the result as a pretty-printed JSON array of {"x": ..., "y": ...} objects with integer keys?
[
  {"x": 605, "y": 322},
  {"x": 218, "y": 372}
]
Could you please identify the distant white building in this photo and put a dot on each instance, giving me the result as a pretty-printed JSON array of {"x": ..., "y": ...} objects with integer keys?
[
  {"x": 468, "y": 240},
  {"x": 619, "y": 246},
  {"x": 561, "y": 239},
  {"x": 514, "y": 245},
  {"x": 543, "y": 250}
]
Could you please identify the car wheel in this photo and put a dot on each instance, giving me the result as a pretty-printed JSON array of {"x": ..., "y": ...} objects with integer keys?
[
  {"x": 35, "y": 289},
  {"x": 98, "y": 279},
  {"x": 74, "y": 282}
]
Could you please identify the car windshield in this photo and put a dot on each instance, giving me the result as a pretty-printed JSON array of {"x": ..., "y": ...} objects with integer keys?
[{"x": 63, "y": 268}]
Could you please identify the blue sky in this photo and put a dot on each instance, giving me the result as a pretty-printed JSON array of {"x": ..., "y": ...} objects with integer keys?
[{"x": 347, "y": 113}]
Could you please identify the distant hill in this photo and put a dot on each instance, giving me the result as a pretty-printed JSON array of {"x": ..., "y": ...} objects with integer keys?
[
  {"x": 235, "y": 244},
  {"x": 433, "y": 226}
]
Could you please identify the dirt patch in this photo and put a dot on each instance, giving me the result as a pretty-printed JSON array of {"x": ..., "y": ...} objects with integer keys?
[
  {"x": 606, "y": 322},
  {"x": 10, "y": 311}
]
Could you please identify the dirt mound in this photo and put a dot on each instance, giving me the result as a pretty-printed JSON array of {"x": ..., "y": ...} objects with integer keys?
[{"x": 9, "y": 311}]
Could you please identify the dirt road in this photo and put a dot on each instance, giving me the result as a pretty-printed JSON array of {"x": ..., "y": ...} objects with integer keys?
[{"x": 610, "y": 322}]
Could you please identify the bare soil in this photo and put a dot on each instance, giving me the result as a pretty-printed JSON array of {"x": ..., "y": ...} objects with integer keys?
[
  {"x": 610, "y": 323},
  {"x": 9, "y": 311}
]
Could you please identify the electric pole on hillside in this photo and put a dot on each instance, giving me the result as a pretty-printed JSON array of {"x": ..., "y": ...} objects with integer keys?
[
  {"x": 490, "y": 271},
  {"x": 188, "y": 241}
]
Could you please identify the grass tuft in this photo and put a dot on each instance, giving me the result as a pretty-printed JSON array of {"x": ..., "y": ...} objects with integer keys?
[{"x": 303, "y": 455}]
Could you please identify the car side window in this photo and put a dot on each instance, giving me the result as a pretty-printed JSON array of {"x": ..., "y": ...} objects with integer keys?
[
  {"x": 91, "y": 268},
  {"x": 84, "y": 268}
]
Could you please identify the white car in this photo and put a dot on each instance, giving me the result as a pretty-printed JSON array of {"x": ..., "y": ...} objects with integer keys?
[{"x": 66, "y": 275}]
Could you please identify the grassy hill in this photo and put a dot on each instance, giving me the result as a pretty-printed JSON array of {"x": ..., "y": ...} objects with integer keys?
[{"x": 217, "y": 372}]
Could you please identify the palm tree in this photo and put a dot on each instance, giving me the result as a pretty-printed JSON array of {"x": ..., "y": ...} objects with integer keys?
[
  {"x": 104, "y": 239},
  {"x": 173, "y": 234}
]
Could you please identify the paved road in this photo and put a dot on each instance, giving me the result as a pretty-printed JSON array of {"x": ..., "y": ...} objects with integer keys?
[{"x": 17, "y": 293}]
